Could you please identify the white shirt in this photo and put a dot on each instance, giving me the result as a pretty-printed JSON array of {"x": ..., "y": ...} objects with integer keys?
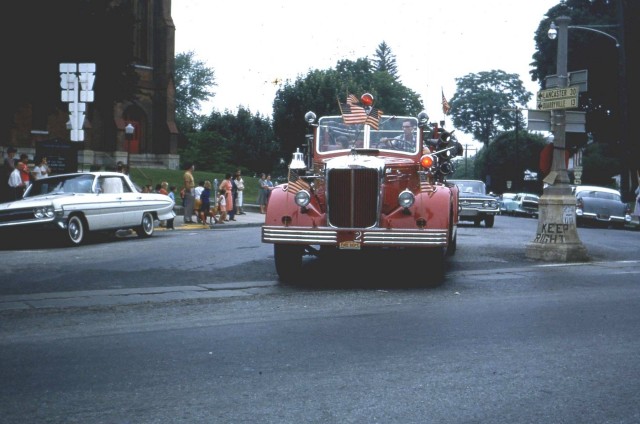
[
  {"x": 40, "y": 171},
  {"x": 198, "y": 191},
  {"x": 14, "y": 179}
]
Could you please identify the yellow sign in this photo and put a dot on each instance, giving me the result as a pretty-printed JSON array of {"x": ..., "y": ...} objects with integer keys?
[{"x": 558, "y": 98}]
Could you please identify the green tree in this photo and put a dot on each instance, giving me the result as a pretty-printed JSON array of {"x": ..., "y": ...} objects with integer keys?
[
  {"x": 599, "y": 165},
  {"x": 320, "y": 91},
  {"x": 385, "y": 61},
  {"x": 601, "y": 100},
  {"x": 194, "y": 82},
  {"x": 507, "y": 157},
  {"x": 606, "y": 120},
  {"x": 245, "y": 141},
  {"x": 481, "y": 103}
]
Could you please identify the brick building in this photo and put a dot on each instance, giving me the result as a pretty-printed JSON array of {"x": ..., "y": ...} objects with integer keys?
[{"x": 151, "y": 111}]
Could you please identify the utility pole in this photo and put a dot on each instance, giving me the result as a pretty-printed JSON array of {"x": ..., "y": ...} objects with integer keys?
[
  {"x": 557, "y": 236},
  {"x": 466, "y": 150}
]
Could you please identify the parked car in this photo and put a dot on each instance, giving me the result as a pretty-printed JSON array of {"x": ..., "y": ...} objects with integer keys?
[
  {"x": 503, "y": 200},
  {"x": 521, "y": 204},
  {"x": 79, "y": 203},
  {"x": 601, "y": 206},
  {"x": 475, "y": 204}
]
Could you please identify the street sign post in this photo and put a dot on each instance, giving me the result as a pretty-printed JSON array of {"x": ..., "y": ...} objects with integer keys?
[
  {"x": 541, "y": 120},
  {"x": 579, "y": 78},
  {"x": 558, "y": 98}
]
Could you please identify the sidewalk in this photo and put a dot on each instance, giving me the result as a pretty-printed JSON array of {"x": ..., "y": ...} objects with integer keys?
[{"x": 251, "y": 218}]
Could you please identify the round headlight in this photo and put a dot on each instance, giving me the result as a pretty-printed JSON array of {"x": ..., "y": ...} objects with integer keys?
[
  {"x": 302, "y": 198},
  {"x": 44, "y": 212},
  {"x": 310, "y": 117},
  {"x": 406, "y": 199}
]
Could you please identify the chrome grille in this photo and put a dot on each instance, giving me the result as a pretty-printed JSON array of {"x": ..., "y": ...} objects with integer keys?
[
  {"x": 16, "y": 215},
  {"x": 353, "y": 197}
]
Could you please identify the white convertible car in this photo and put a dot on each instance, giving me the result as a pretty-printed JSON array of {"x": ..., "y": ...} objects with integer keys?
[{"x": 79, "y": 203}]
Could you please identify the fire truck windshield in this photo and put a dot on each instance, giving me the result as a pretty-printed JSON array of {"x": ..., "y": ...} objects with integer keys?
[{"x": 395, "y": 133}]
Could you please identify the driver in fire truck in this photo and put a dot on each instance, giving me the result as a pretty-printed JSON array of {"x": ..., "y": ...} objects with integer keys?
[{"x": 405, "y": 141}]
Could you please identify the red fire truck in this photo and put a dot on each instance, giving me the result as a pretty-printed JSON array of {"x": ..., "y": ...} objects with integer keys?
[{"x": 366, "y": 181}]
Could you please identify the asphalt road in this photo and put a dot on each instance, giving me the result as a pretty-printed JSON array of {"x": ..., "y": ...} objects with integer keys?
[
  {"x": 230, "y": 260},
  {"x": 502, "y": 339}
]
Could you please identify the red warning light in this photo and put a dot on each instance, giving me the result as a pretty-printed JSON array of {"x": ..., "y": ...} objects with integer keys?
[
  {"x": 367, "y": 99},
  {"x": 426, "y": 161}
]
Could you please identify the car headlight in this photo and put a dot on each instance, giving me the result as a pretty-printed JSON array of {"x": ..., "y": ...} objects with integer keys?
[
  {"x": 489, "y": 204},
  {"x": 302, "y": 198},
  {"x": 43, "y": 212},
  {"x": 406, "y": 199}
]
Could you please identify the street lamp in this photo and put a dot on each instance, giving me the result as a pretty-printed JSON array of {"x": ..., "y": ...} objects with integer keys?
[
  {"x": 128, "y": 132},
  {"x": 557, "y": 236},
  {"x": 553, "y": 31}
]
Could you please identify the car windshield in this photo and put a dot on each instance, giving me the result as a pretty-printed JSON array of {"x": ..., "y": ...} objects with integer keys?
[
  {"x": 61, "y": 184},
  {"x": 600, "y": 195},
  {"x": 474, "y": 187},
  {"x": 394, "y": 133}
]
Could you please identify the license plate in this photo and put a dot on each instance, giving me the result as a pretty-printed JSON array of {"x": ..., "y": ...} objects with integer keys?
[{"x": 351, "y": 245}]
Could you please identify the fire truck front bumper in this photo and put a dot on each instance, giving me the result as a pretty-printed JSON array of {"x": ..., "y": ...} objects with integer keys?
[{"x": 352, "y": 238}]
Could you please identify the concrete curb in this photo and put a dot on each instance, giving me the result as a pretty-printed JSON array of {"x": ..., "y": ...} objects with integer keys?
[{"x": 251, "y": 218}]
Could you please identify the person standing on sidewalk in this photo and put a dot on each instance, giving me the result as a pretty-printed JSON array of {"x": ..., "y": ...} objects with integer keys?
[
  {"x": 196, "y": 196},
  {"x": 263, "y": 193},
  {"x": 41, "y": 170},
  {"x": 227, "y": 185},
  {"x": 172, "y": 194},
  {"x": 9, "y": 164},
  {"x": 188, "y": 188},
  {"x": 240, "y": 187}
]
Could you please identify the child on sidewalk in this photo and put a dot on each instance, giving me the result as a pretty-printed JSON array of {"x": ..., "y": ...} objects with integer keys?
[
  {"x": 222, "y": 205},
  {"x": 205, "y": 202}
]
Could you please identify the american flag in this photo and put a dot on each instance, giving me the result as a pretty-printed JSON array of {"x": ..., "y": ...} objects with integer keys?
[
  {"x": 296, "y": 183},
  {"x": 352, "y": 99},
  {"x": 351, "y": 112},
  {"x": 373, "y": 118},
  {"x": 446, "y": 107}
]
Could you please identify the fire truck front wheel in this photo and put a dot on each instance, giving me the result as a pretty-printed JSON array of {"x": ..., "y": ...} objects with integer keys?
[{"x": 288, "y": 260}]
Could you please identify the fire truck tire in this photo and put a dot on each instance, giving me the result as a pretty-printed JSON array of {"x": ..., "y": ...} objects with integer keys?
[
  {"x": 437, "y": 265},
  {"x": 453, "y": 244},
  {"x": 288, "y": 259},
  {"x": 488, "y": 221}
]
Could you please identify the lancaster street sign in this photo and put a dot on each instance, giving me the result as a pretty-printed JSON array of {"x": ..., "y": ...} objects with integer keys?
[{"x": 558, "y": 98}]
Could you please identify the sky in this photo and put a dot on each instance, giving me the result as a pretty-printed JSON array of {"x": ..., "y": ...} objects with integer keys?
[{"x": 252, "y": 45}]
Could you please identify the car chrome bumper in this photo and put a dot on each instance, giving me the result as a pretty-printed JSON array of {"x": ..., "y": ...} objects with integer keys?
[
  {"x": 476, "y": 212},
  {"x": 368, "y": 237},
  {"x": 601, "y": 218}
]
